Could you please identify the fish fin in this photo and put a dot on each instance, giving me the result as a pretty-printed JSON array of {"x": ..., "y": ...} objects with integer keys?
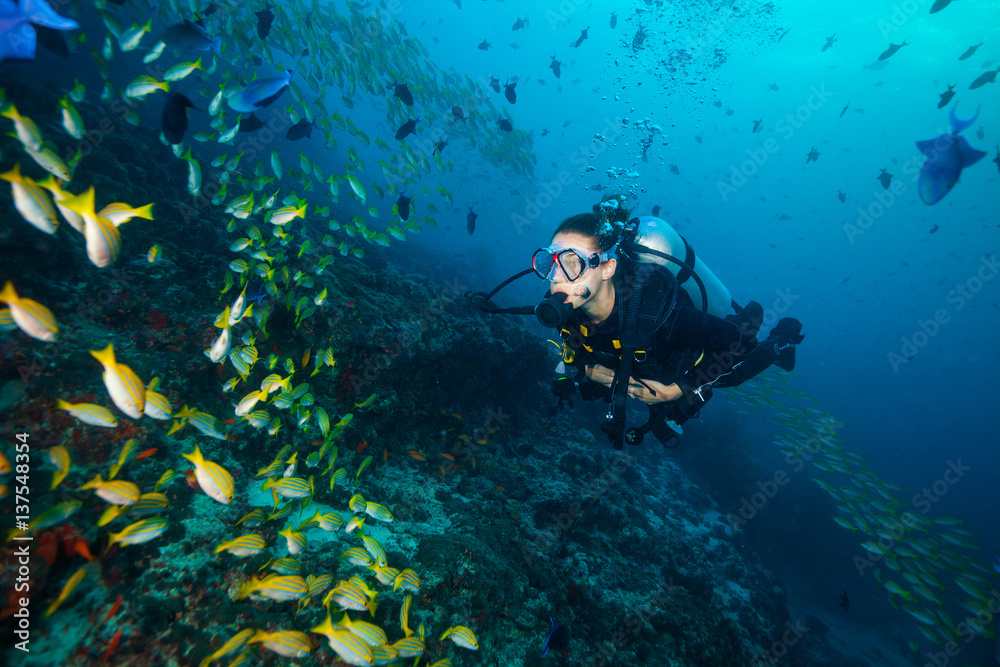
[
  {"x": 927, "y": 147},
  {"x": 38, "y": 11},
  {"x": 970, "y": 155},
  {"x": 145, "y": 212}
]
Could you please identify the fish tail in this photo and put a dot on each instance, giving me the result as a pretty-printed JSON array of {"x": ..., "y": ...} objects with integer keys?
[
  {"x": 145, "y": 212},
  {"x": 959, "y": 124}
]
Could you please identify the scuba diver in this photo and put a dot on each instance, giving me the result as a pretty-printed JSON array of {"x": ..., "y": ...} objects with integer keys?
[{"x": 636, "y": 321}]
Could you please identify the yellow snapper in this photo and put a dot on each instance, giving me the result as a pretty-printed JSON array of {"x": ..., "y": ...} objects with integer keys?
[
  {"x": 25, "y": 128},
  {"x": 51, "y": 183},
  {"x": 88, "y": 413},
  {"x": 104, "y": 241},
  {"x": 213, "y": 479},
  {"x": 351, "y": 649},
  {"x": 116, "y": 492},
  {"x": 220, "y": 348},
  {"x": 287, "y": 643},
  {"x": 31, "y": 201},
  {"x": 118, "y": 213},
  {"x": 126, "y": 390},
  {"x": 140, "y": 532},
  {"x": 30, "y": 316}
]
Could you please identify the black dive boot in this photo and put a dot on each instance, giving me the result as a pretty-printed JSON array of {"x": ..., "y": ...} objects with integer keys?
[{"x": 784, "y": 337}]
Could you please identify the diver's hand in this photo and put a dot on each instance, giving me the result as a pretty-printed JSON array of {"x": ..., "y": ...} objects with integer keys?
[{"x": 664, "y": 393}]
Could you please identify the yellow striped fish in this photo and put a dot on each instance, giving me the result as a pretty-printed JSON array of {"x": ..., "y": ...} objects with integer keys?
[
  {"x": 30, "y": 316},
  {"x": 31, "y": 201},
  {"x": 213, "y": 479},
  {"x": 296, "y": 541},
  {"x": 88, "y": 413},
  {"x": 104, "y": 241},
  {"x": 350, "y": 648},
  {"x": 140, "y": 532},
  {"x": 149, "y": 503},
  {"x": 59, "y": 456},
  {"x": 287, "y": 643},
  {"x": 242, "y": 547},
  {"x": 128, "y": 451},
  {"x": 73, "y": 582},
  {"x": 275, "y": 587},
  {"x": 407, "y": 580},
  {"x": 25, "y": 128},
  {"x": 127, "y": 392},
  {"x": 462, "y": 636},
  {"x": 409, "y": 647},
  {"x": 116, "y": 492}
]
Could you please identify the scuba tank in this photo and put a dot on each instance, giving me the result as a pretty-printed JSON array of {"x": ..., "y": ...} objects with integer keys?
[{"x": 657, "y": 234}]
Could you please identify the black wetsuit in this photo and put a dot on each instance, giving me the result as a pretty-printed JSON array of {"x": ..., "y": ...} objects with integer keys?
[{"x": 686, "y": 346}]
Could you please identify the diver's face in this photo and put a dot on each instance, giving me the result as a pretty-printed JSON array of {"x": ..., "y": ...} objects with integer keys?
[{"x": 587, "y": 284}]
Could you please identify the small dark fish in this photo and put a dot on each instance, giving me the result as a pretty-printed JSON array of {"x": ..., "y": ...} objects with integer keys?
[
  {"x": 305, "y": 52},
  {"x": 514, "y": 46},
  {"x": 772, "y": 86},
  {"x": 557, "y": 639},
  {"x": 256, "y": 292},
  {"x": 674, "y": 170},
  {"x": 980, "y": 133},
  {"x": 257, "y": 60},
  {"x": 403, "y": 206},
  {"x": 784, "y": 216},
  {"x": 757, "y": 124},
  {"x": 456, "y": 111},
  {"x": 520, "y": 23},
  {"x": 51, "y": 39},
  {"x": 583, "y": 36},
  {"x": 717, "y": 104},
  {"x": 842, "y": 196},
  {"x": 983, "y": 79},
  {"x": 403, "y": 93},
  {"x": 508, "y": 92},
  {"x": 264, "y": 20},
  {"x": 458, "y": 3},
  {"x": 554, "y": 66},
  {"x": 439, "y": 146},
  {"x": 614, "y": 20},
  {"x": 656, "y": 211},
  {"x": 859, "y": 110},
  {"x": 892, "y": 49},
  {"x": 407, "y": 128},
  {"x": 730, "y": 112},
  {"x": 885, "y": 179},
  {"x": 597, "y": 187},
  {"x": 505, "y": 125},
  {"x": 495, "y": 84},
  {"x": 174, "y": 121},
  {"x": 969, "y": 51},
  {"x": 997, "y": 158},
  {"x": 697, "y": 138},
  {"x": 844, "y": 110},
  {"x": 845, "y": 601},
  {"x": 879, "y": 83},
  {"x": 812, "y": 155},
  {"x": 933, "y": 229},
  {"x": 782, "y": 35},
  {"x": 484, "y": 46},
  {"x": 545, "y": 132},
  {"x": 470, "y": 221},
  {"x": 939, "y": 5},
  {"x": 211, "y": 9},
  {"x": 250, "y": 123},
  {"x": 829, "y": 42},
  {"x": 301, "y": 129}
]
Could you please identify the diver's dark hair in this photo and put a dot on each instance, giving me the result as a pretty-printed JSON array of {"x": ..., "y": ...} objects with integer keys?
[{"x": 605, "y": 234}]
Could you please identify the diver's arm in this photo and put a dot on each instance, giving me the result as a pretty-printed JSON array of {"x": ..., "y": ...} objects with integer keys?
[
  {"x": 664, "y": 392},
  {"x": 692, "y": 328}
]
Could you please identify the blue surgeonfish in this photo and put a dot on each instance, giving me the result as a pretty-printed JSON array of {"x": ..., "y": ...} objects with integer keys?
[
  {"x": 946, "y": 157},
  {"x": 259, "y": 94},
  {"x": 17, "y": 34}
]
